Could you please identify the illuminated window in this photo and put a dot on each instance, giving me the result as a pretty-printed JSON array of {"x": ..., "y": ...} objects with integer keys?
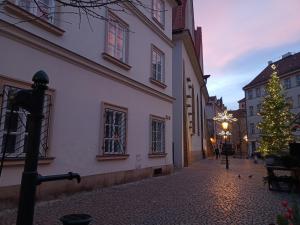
[{"x": 117, "y": 36}]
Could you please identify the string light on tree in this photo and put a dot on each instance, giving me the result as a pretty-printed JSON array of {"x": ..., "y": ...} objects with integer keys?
[{"x": 275, "y": 130}]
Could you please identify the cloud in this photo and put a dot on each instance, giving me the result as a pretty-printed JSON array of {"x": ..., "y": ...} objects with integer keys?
[{"x": 233, "y": 28}]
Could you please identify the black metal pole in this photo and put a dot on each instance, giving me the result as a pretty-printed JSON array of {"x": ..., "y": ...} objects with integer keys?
[
  {"x": 226, "y": 154},
  {"x": 33, "y": 102}
]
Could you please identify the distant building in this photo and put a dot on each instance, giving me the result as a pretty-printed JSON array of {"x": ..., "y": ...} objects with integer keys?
[
  {"x": 238, "y": 130},
  {"x": 189, "y": 88},
  {"x": 213, "y": 107},
  {"x": 288, "y": 68}
]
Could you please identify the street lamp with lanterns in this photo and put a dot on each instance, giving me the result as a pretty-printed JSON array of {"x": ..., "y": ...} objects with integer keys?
[{"x": 225, "y": 118}]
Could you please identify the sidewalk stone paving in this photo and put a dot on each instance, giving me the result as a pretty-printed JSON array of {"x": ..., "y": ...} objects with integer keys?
[{"x": 203, "y": 194}]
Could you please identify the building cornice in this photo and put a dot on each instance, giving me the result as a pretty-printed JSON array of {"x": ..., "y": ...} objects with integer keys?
[
  {"x": 148, "y": 23},
  {"x": 31, "y": 40},
  {"x": 284, "y": 75}
]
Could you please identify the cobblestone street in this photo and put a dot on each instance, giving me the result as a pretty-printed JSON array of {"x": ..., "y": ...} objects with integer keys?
[{"x": 205, "y": 193}]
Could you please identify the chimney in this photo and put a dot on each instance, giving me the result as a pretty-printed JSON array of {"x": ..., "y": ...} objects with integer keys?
[
  {"x": 286, "y": 55},
  {"x": 270, "y": 62}
]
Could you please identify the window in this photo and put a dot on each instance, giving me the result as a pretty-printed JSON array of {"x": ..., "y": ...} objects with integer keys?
[
  {"x": 114, "y": 130},
  {"x": 250, "y": 96},
  {"x": 287, "y": 83},
  {"x": 117, "y": 38},
  {"x": 14, "y": 126},
  {"x": 258, "y": 107},
  {"x": 290, "y": 102},
  {"x": 252, "y": 128},
  {"x": 157, "y": 135},
  {"x": 157, "y": 65},
  {"x": 43, "y": 9},
  {"x": 257, "y": 91},
  {"x": 298, "y": 80},
  {"x": 250, "y": 110},
  {"x": 158, "y": 11}
]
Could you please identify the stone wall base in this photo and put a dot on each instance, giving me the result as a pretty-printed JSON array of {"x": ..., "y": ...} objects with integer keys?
[{"x": 9, "y": 195}]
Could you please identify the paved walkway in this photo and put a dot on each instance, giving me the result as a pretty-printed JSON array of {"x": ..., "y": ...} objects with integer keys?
[{"x": 204, "y": 194}]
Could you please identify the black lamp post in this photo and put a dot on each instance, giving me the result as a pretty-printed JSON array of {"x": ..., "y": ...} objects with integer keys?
[
  {"x": 32, "y": 100},
  {"x": 224, "y": 118},
  {"x": 226, "y": 134}
]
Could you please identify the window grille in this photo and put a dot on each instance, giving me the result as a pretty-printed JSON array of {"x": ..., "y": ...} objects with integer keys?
[
  {"x": 158, "y": 136},
  {"x": 114, "y": 132},
  {"x": 158, "y": 65},
  {"x": 17, "y": 136}
]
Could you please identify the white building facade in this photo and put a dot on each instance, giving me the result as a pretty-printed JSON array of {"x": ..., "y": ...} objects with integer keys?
[
  {"x": 109, "y": 106},
  {"x": 288, "y": 68},
  {"x": 189, "y": 88}
]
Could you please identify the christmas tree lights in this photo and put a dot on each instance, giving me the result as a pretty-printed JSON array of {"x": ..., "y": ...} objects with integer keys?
[{"x": 275, "y": 133}]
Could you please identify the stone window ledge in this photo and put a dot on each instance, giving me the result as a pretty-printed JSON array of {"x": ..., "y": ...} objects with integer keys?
[
  {"x": 111, "y": 157},
  {"x": 27, "y": 16},
  {"x": 157, "y": 82},
  {"x": 160, "y": 155},
  {"x": 116, "y": 61},
  {"x": 21, "y": 161}
]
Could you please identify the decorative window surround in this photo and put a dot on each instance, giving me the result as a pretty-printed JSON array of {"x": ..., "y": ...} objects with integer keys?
[
  {"x": 17, "y": 139},
  {"x": 116, "y": 61},
  {"x": 157, "y": 134},
  {"x": 114, "y": 140},
  {"x": 157, "y": 65},
  {"x": 111, "y": 157},
  {"x": 158, "y": 83},
  {"x": 157, "y": 155},
  {"x": 116, "y": 41},
  {"x": 158, "y": 12},
  {"x": 32, "y": 18}
]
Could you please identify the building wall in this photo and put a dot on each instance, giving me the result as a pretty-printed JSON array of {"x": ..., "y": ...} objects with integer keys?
[
  {"x": 82, "y": 81},
  {"x": 76, "y": 120}
]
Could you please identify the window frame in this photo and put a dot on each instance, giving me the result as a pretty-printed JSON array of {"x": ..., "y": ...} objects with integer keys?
[
  {"x": 251, "y": 110},
  {"x": 35, "y": 10},
  {"x": 298, "y": 80},
  {"x": 287, "y": 83},
  {"x": 125, "y": 26},
  {"x": 17, "y": 84},
  {"x": 163, "y": 142},
  {"x": 153, "y": 77},
  {"x": 115, "y": 108},
  {"x": 290, "y": 101},
  {"x": 250, "y": 94},
  {"x": 258, "y": 92},
  {"x": 252, "y": 128},
  {"x": 155, "y": 13},
  {"x": 258, "y": 108}
]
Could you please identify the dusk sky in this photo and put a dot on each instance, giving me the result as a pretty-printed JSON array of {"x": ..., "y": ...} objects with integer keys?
[{"x": 240, "y": 37}]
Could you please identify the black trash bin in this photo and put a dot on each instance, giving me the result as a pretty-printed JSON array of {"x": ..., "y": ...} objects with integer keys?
[{"x": 76, "y": 219}]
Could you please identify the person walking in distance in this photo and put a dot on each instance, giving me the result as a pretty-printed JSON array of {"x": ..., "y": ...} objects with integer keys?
[{"x": 217, "y": 152}]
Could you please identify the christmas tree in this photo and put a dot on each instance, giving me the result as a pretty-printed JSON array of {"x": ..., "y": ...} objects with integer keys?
[{"x": 275, "y": 119}]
